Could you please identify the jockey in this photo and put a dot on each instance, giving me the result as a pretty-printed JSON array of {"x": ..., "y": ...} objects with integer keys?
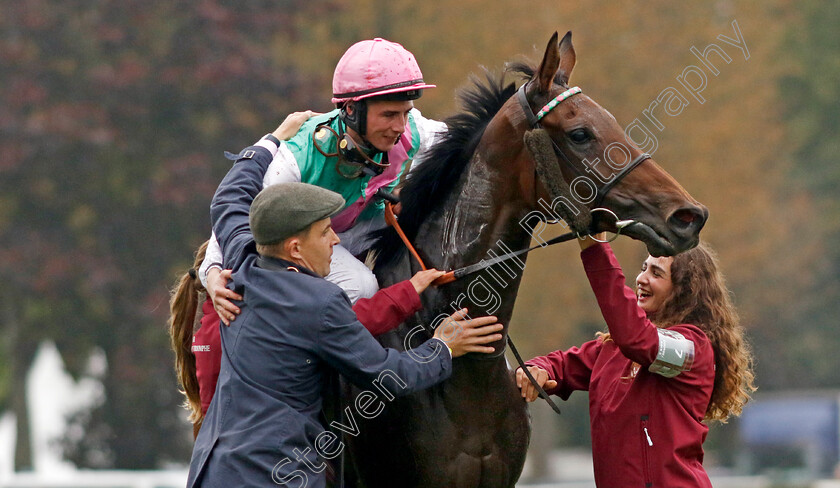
[{"x": 367, "y": 143}]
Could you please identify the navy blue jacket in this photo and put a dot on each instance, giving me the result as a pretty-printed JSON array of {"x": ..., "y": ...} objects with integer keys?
[{"x": 262, "y": 426}]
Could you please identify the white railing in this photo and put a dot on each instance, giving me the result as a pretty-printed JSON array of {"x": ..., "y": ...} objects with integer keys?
[{"x": 97, "y": 479}]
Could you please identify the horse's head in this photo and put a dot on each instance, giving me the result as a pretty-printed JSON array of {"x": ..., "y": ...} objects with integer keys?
[{"x": 601, "y": 166}]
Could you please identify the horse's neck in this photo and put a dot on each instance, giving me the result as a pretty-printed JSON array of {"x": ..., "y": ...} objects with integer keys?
[
  {"x": 478, "y": 221},
  {"x": 467, "y": 223}
]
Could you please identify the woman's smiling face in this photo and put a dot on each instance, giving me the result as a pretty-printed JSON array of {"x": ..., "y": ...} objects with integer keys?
[{"x": 654, "y": 285}]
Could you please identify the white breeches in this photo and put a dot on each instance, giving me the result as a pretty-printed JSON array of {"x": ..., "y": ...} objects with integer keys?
[{"x": 351, "y": 275}]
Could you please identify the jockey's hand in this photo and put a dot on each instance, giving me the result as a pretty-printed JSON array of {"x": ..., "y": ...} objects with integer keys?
[
  {"x": 422, "y": 279},
  {"x": 291, "y": 125},
  {"x": 398, "y": 205},
  {"x": 221, "y": 296},
  {"x": 529, "y": 392},
  {"x": 463, "y": 336}
]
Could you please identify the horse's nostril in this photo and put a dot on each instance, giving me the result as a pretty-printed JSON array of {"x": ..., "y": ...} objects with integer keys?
[
  {"x": 688, "y": 219},
  {"x": 685, "y": 215}
]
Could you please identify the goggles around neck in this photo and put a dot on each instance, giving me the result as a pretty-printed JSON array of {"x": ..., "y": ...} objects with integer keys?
[{"x": 353, "y": 160}]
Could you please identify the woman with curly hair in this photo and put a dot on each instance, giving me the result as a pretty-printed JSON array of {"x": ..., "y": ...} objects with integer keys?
[{"x": 674, "y": 358}]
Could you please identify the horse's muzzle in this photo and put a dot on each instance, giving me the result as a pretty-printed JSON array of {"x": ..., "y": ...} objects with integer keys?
[{"x": 685, "y": 224}]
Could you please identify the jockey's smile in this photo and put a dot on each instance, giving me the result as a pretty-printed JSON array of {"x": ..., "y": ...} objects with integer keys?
[{"x": 386, "y": 121}]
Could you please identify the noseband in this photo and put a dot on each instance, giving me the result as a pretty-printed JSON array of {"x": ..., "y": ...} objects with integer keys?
[{"x": 534, "y": 122}]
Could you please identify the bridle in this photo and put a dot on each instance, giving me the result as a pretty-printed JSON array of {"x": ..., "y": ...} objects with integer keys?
[{"x": 534, "y": 123}]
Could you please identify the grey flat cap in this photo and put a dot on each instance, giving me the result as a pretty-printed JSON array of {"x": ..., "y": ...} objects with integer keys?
[{"x": 282, "y": 210}]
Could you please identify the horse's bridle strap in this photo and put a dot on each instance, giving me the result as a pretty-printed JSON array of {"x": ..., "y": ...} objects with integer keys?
[
  {"x": 534, "y": 122},
  {"x": 556, "y": 100},
  {"x": 534, "y": 119},
  {"x": 602, "y": 192}
]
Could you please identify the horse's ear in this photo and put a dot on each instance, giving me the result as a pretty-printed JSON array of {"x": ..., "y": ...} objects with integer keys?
[
  {"x": 567, "y": 58},
  {"x": 548, "y": 66}
]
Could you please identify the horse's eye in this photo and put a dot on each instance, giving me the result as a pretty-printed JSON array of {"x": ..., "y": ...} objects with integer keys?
[{"x": 579, "y": 136}]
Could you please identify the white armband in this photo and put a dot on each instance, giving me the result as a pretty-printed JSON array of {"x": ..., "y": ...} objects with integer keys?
[{"x": 675, "y": 355}]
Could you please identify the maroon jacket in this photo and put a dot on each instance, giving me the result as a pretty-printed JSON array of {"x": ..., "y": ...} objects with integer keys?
[
  {"x": 207, "y": 349},
  {"x": 647, "y": 430},
  {"x": 384, "y": 311}
]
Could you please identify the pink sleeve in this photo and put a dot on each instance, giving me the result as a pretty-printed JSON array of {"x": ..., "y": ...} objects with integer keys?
[
  {"x": 571, "y": 369},
  {"x": 633, "y": 333},
  {"x": 387, "y": 308}
]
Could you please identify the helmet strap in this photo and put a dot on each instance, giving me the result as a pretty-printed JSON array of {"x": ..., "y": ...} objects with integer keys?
[{"x": 357, "y": 120}]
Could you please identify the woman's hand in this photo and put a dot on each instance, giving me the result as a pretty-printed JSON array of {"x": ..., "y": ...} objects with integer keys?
[
  {"x": 529, "y": 392},
  {"x": 422, "y": 279},
  {"x": 221, "y": 296},
  {"x": 291, "y": 125},
  {"x": 463, "y": 336},
  {"x": 588, "y": 241}
]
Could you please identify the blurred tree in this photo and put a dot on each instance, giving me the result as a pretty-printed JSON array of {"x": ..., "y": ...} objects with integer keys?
[
  {"x": 113, "y": 118},
  {"x": 810, "y": 95}
]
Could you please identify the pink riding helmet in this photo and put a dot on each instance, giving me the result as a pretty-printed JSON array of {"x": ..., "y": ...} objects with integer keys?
[{"x": 375, "y": 67}]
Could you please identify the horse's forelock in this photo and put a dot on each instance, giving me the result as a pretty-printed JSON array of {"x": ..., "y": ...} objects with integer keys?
[{"x": 427, "y": 186}]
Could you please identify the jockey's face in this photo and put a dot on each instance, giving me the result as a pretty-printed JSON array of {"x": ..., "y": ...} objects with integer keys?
[
  {"x": 386, "y": 121},
  {"x": 654, "y": 285},
  {"x": 315, "y": 247}
]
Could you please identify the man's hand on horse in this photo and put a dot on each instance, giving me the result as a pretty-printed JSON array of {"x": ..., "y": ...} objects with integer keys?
[
  {"x": 529, "y": 392},
  {"x": 291, "y": 125},
  {"x": 463, "y": 336},
  {"x": 422, "y": 279},
  {"x": 221, "y": 296}
]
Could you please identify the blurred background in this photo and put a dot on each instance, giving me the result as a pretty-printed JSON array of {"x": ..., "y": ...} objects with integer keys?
[{"x": 114, "y": 116}]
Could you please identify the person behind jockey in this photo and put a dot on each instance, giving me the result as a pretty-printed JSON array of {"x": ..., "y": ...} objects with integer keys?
[
  {"x": 198, "y": 353},
  {"x": 367, "y": 143}
]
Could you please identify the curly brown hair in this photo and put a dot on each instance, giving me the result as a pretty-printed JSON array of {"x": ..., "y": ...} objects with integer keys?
[{"x": 700, "y": 297}]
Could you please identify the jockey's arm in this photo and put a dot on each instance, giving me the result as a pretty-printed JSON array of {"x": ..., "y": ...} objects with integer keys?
[{"x": 430, "y": 132}]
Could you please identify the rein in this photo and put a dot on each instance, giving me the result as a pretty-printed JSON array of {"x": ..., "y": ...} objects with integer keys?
[
  {"x": 451, "y": 276},
  {"x": 459, "y": 273}
]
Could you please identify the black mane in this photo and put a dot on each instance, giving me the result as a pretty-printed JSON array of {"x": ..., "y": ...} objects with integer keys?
[{"x": 427, "y": 187}]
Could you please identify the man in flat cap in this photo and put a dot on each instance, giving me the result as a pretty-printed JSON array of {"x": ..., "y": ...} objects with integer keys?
[{"x": 262, "y": 426}]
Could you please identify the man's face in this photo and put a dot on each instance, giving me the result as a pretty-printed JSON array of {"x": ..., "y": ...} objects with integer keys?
[
  {"x": 386, "y": 121},
  {"x": 315, "y": 247},
  {"x": 653, "y": 285}
]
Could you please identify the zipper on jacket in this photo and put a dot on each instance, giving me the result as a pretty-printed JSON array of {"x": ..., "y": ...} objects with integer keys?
[{"x": 647, "y": 443}]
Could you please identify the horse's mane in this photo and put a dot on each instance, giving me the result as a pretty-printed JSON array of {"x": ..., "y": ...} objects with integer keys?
[{"x": 427, "y": 186}]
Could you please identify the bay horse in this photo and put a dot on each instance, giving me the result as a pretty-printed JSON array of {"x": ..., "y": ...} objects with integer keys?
[{"x": 471, "y": 199}]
